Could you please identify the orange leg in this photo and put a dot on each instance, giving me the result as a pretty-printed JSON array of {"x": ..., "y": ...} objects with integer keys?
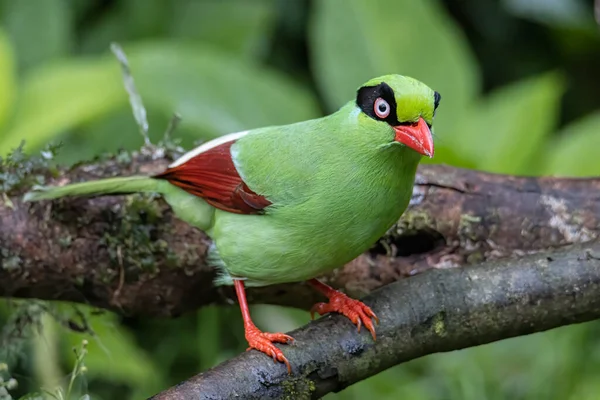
[
  {"x": 261, "y": 341},
  {"x": 355, "y": 310}
]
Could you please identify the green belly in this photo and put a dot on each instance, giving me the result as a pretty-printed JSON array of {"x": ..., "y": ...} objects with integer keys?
[{"x": 282, "y": 247}]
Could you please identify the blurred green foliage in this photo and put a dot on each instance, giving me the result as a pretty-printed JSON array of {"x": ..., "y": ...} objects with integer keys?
[{"x": 519, "y": 86}]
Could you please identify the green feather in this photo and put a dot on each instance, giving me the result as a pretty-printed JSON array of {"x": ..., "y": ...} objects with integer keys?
[
  {"x": 189, "y": 208},
  {"x": 120, "y": 185}
]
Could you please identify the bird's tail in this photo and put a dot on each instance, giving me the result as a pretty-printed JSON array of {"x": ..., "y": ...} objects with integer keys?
[{"x": 120, "y": 185}]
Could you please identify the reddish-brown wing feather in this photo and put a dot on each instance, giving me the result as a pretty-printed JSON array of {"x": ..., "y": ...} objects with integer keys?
[{"x": 213, "y": 176}]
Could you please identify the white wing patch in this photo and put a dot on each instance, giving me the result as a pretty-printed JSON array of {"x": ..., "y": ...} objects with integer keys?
[
  {"x": 354, "y": 114},
  {"x": 207, "y": 146}
]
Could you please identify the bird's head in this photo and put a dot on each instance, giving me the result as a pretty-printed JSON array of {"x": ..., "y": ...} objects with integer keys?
[{"x": 401, "y": 109}]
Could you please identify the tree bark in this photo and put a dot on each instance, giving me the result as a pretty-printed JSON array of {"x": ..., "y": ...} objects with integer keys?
[
  {"x": 131, "y": 255},
  {"x": 437, "y": 311}
]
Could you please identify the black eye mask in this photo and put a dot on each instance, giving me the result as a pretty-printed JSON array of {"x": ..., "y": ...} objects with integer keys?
[{"x": 366, "y": 97}]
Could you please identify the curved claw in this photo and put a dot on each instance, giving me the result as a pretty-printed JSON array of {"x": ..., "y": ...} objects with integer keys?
[
  {"x": 279, "y": 337},
  {"x": 316, "y": 309},
  {"x": 263, "y": 342},
  {"x": 359, "y": 313}
]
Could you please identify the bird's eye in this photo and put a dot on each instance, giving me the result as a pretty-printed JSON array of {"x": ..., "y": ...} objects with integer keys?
[{"x": 382, "y": 108}]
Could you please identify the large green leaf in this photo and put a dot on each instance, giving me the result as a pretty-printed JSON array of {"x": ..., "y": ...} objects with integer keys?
[
  {"x": 575, "y": 153},
  {"x": 240, "y": 26},
  {"x": 7, "y": 78},
  {"x": 113, "y": 354},
  {"x": 505, "y": 131},
  {"x": 355, "y": 40},
  {"x": 109, "y": 134},
  {"x": 214, "y": 93},
  {"x": 40, "y": 30},
  {"x": 60, "y": 96}
]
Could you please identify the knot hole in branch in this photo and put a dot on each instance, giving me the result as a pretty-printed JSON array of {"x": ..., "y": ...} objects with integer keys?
[{"x": 409, "y": 243}]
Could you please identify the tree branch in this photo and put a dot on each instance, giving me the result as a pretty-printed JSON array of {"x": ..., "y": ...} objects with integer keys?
[
  {"x": 437, "y": 311},
  {"x": 129, "y": 254}
]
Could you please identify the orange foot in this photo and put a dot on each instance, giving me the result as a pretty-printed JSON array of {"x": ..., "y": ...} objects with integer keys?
[
  {"x": 359, "y": 313},
  {"x": 263, "y": 341}
]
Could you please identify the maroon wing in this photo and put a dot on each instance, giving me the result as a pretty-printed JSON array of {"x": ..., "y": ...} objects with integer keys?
[{"x": 212, "y": 175}]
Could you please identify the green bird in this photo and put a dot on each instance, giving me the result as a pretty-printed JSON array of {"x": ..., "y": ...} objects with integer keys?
[{"x": 290, "y": 203}]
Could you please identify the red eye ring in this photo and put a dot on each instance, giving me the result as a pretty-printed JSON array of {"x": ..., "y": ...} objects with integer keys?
[{"x": 381, "y": 108}]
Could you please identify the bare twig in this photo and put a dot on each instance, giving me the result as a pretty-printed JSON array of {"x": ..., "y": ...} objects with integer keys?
[
  {"x": 137, "y": 105},
  {"x": 173, "y": 124}
]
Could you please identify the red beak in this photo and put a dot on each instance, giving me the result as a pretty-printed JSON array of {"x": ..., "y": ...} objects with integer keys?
[{"x": 417, "y": 137}]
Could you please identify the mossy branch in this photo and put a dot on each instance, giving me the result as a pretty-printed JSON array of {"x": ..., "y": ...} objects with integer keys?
[
  {"x": 437, "y": 311},
  {"x": 131, "y": 255}
]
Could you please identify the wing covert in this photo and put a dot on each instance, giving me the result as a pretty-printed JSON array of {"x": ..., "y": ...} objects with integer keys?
[{"x": 212, "y": 175}]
